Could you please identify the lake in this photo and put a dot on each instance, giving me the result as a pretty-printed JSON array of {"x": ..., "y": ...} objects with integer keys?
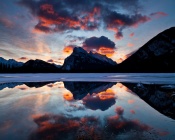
[{"x": 87, "y": 106}]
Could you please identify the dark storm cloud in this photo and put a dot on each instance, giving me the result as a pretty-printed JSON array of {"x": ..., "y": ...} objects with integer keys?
[
  {"x": 69, "y": 15},
  {"x": 117, "y": 22},
  {"x": 119, "y": 35},
  {"x": 95, "y": 103},
  {"x": 60, "y": 16},
  {"x": 97, "y": 43},
  {"x": 102, "y": 45}
]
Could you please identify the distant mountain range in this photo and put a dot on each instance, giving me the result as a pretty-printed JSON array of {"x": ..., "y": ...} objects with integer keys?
[
  {"x": 157, "y": 55},
  {"x": 30, "y": 66}
]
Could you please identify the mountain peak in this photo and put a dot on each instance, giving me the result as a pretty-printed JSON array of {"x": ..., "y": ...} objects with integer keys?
[
  {"x": 82, "y": 61},
  {"x": 79, "y": 50}
]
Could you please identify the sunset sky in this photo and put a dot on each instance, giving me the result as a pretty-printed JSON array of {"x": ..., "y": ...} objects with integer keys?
[{"x": 50, "y": 29}]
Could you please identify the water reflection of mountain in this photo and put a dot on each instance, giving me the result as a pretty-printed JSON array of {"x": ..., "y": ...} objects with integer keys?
[
  {"x": 37, "y": 84},
  {"x": 160, "y": 97},
  {"x": 81, "y": 89}
]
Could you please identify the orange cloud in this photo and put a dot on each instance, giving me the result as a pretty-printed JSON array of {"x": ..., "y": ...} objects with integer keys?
[
  {"x": 51, "y": 21},
  {"x": 68, "y": 49},
  {"x": 45, "y": 124},
  {"x": 108, "y": 94},
  {"x": 114, "y": 29},
  {"x": 50, "y": 126},
  {"x": 121, "y": 58},
  {"x": 130, "y": 45},
  {"x": 68, "y": 96},
  {"x": 131, "y": 101},
  {"x": 106, "y": 51}
]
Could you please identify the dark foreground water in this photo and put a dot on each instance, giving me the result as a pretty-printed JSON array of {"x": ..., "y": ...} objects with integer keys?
[{"x": 69, "y": 110}]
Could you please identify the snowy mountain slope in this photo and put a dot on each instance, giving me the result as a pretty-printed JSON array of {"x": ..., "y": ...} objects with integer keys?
[{"x": 102, "y": 58}]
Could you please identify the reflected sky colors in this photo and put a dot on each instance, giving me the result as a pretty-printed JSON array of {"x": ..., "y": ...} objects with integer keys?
[{"x": 49, "y": 111}]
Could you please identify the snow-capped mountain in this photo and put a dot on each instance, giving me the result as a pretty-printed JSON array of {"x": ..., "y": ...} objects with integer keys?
[
  {"x": 80, "y": 60},
  {"x": 11, "y": 63},
  {"x": 157, "y": 55}
]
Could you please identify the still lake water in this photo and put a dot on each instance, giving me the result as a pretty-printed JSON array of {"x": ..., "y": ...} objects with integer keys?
[{"x": 87, "y": 106}]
